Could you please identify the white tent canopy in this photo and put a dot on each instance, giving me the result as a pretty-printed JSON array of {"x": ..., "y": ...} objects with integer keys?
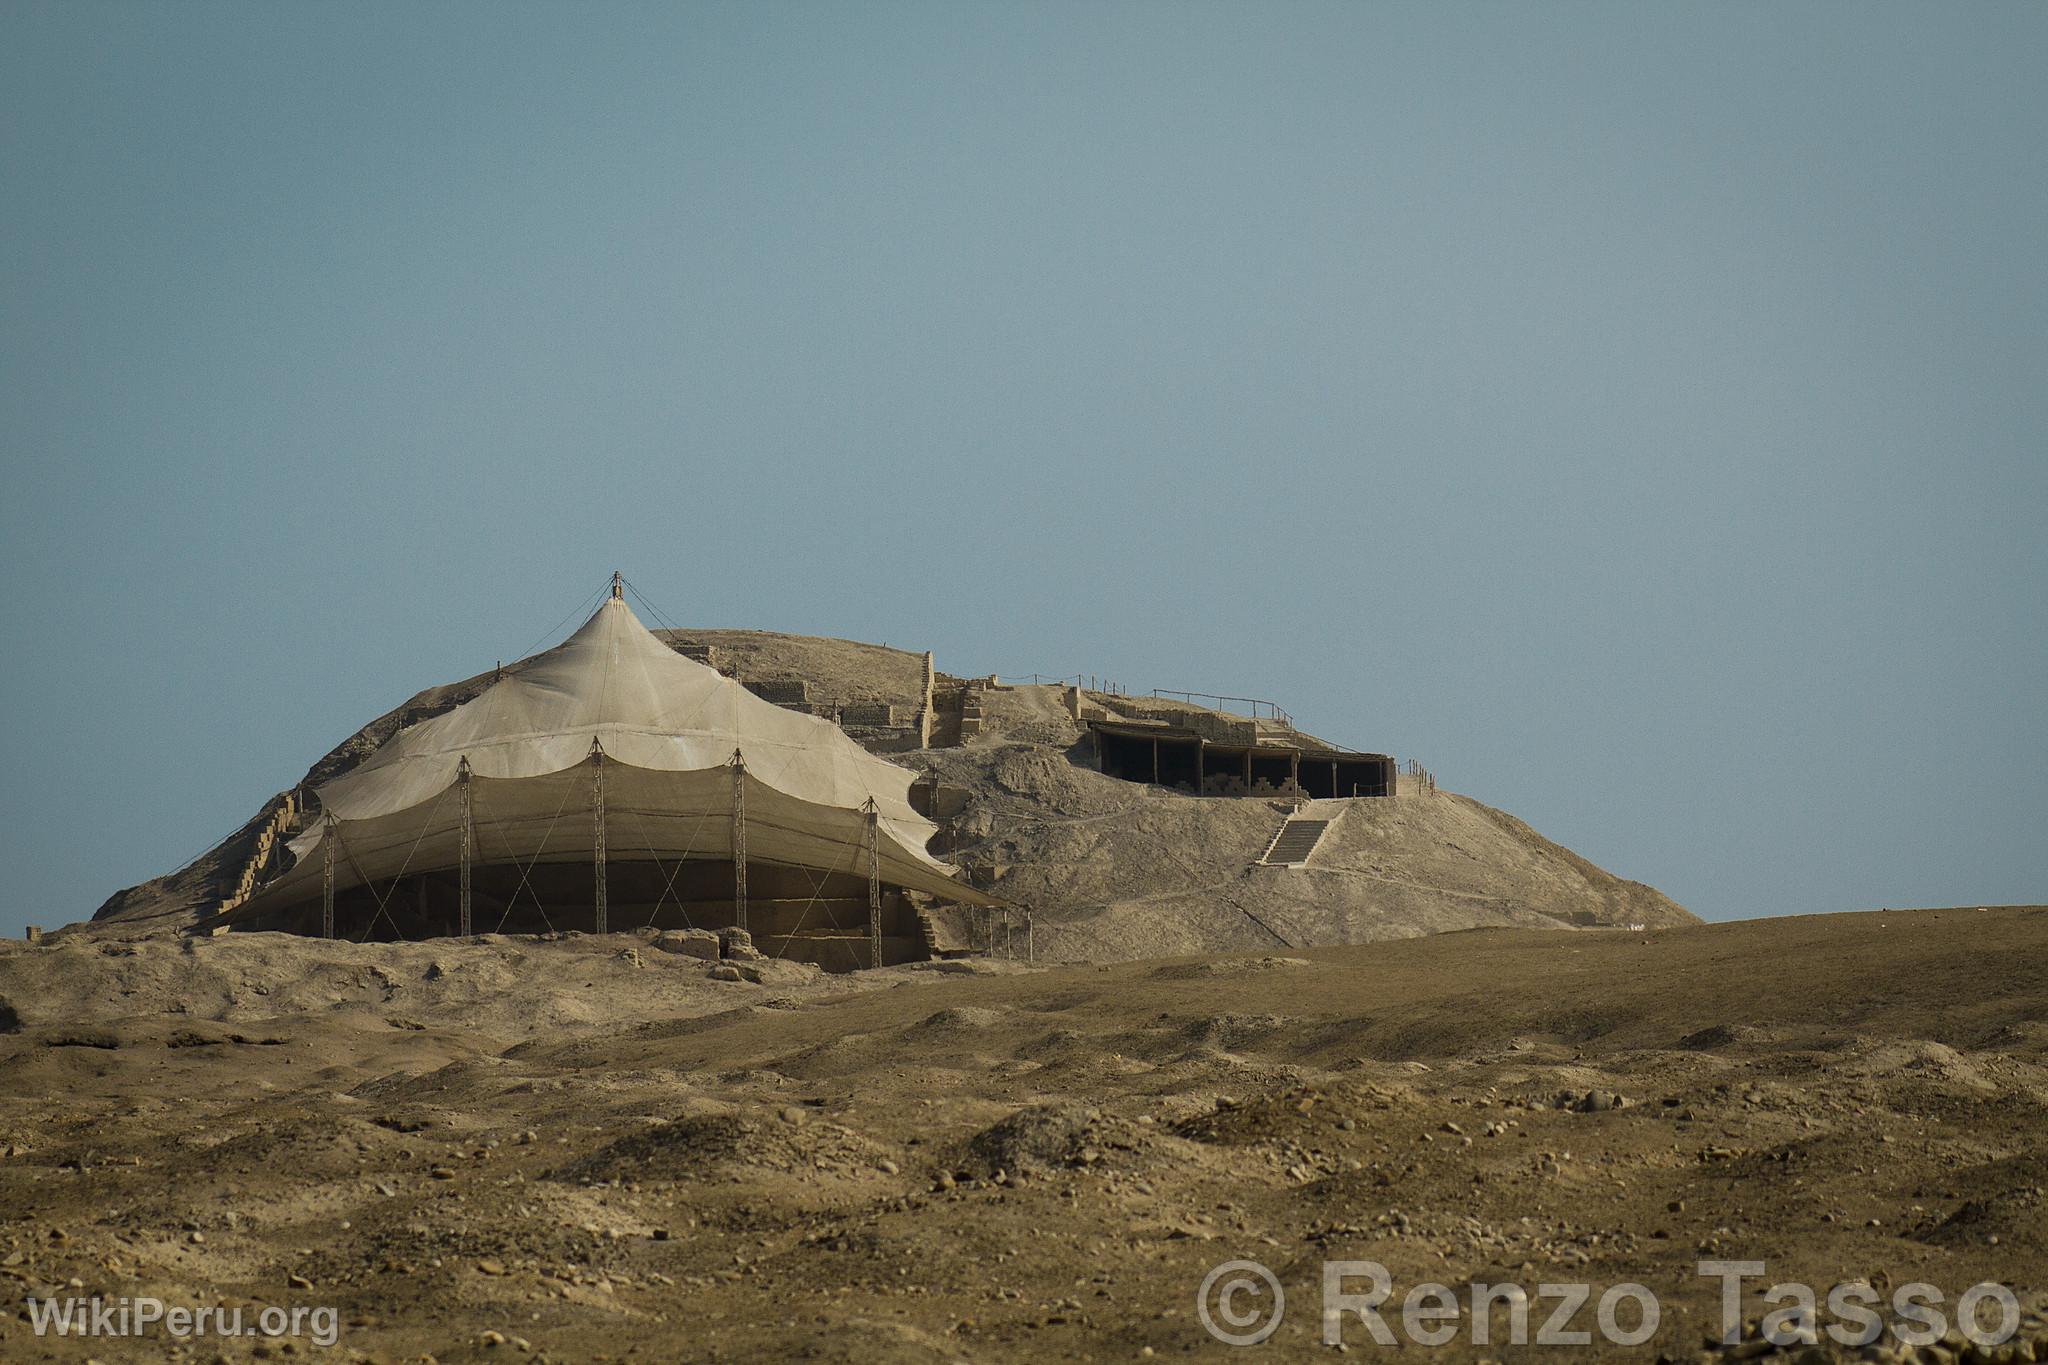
[{"x": 669, "y": 731}]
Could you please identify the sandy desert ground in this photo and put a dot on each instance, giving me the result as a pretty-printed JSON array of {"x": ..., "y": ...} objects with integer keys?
[{"x": 593, "y": 1150}]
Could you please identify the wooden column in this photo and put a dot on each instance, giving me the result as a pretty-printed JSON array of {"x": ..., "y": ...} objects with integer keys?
[
  {"x": 327, "y": 838},
  {"x": 874, "y": 887},
  {"x": 739, "y": 840},
  {"x": 1155, "y": 760},
  {"x": 603, "y": 911},
  {"x": 468, "y": 837}
]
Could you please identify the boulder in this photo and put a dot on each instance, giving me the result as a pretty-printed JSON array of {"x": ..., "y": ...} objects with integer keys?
[
  {"x": 700, "y": 943},
  {"x": 738, "y": 944}
]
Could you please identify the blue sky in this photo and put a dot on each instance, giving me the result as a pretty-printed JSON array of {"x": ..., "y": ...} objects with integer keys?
[{"x": 1636, "y": 413}]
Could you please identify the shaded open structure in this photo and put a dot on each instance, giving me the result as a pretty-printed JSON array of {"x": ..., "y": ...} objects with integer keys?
[
  {"x": 615, "y": 784},
  {"x": 1186, "y": 759}
]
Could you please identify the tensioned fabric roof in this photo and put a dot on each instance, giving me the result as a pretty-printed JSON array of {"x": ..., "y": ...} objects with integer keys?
[{"x": 668, "y": 728}]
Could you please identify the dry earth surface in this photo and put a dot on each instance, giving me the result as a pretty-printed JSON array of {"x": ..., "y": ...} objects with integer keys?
[
  {"x": 1109, "y": 869},
  {"x": 588, "y": 1149}
]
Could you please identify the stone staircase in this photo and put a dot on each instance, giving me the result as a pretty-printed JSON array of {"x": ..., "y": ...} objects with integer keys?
[
  {"x": 947, "y": 704},
  {"x": 956, "y": 715},
  {"x": 947, "y": 930},
  {"x": 1295, "y": 841},
  {"x": 283, "y": 819},
  {"x": 970, "y": 714}
]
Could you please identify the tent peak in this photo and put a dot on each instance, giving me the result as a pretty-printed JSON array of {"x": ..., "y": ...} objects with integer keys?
[{"x": 618, "y": 586}]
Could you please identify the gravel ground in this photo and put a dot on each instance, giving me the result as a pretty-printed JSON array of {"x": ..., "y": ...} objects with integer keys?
[{"x": 570, "y": 1151}]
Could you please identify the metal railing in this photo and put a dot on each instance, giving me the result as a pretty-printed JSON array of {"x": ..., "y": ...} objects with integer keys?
[
  {"x": 1261, "y": 709},
  {"x": 1087, "y": 682}
]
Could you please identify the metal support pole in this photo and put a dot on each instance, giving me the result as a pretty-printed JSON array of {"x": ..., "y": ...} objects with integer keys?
[
  {"x": 874, "y": 888},
  {"x": 327, "y": 837},
  {"x": 468, "y": 835},
  {"x": 597, "y": 818},
  {"x": 739, "y": 840}
]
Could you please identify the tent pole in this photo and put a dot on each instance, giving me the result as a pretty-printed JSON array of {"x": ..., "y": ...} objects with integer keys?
[
  {"x": 874, "y": 889},
  {"x": 327, "y": 878},
  {"x": 597, "y": 817},
  {"x": 468, "y": 825},
  {"x": 739, "y": 840}
]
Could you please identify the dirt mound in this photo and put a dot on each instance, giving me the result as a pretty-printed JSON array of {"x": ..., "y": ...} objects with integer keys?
[
  {"x": 506, "y": 985},
  {"x": 957, "y": 1020},
  {"x": 1036, "y": 1136},
  {"x": 1716, "y": 1037},
  {"x": 1229, "y": 966},
  {"x": 1109, "y": 869},
  {"x": 836, "y": 672},
  {"x": 693, "y": 1147}
]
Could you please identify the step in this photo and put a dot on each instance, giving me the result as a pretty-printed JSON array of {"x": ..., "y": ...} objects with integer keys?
[{"x": 1294, "y": 843}]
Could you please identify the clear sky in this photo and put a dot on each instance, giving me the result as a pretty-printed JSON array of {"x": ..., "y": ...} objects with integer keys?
[{"x": 1638, "y": 413}]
